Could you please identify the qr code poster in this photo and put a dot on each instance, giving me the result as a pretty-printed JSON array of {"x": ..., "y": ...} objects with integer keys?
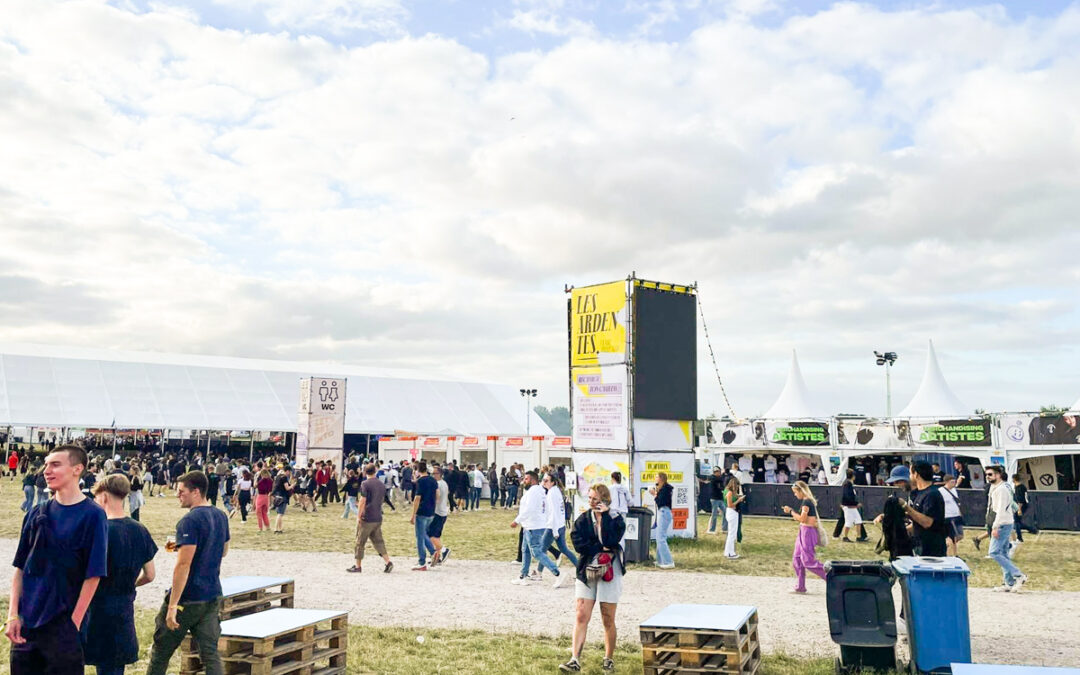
[{"x": 678, "y": 467}]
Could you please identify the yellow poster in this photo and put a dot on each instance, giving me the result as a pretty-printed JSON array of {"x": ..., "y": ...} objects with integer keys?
[{"x": 598, "y": 316}]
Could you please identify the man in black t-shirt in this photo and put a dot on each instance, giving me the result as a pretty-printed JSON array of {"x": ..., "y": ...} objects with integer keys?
[
  {"x": 191, "y": 606},
  {"x": 926, "y": 509},
  {"x": 963, "y": 476}
]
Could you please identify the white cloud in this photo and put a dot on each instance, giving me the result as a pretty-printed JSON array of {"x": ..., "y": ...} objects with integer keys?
[
  {"x": 850, "y": 180},
  {"x": 384, "y": 17}
]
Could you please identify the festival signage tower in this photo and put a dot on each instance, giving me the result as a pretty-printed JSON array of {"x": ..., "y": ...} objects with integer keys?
[
  {"x": 633, "y": 388},
  {"x": 321, "y": 421}
]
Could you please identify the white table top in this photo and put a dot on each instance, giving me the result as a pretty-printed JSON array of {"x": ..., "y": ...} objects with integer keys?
[
  {"x": 988, "y": 669},
  {"x": 237, "y": 585},
  {"x": 700, "y": 617},
  {"x": 275, "y": 621}
]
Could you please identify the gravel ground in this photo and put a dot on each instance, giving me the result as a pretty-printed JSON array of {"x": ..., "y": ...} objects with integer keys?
[{"x": 1034, "y": 628}]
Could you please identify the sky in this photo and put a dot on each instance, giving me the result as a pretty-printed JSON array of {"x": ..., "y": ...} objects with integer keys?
[{"x": 413, "y": 184}]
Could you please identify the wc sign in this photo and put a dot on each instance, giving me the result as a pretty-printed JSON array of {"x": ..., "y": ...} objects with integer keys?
[
  {"x": 329, "y": 396},
  {"x": 322, "y": 396}
]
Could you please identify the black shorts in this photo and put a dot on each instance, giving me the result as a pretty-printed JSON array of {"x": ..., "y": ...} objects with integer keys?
[
  {"x": 955, "y": 527},
  {"x": 434, "y": 528}
]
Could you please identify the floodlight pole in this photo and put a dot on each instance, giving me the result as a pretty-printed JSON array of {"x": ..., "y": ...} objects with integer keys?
[
  {"x": 529, "y": 394},
  {"x": 888, "y": 390}
]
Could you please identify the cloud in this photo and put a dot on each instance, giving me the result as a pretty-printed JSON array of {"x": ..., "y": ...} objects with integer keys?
[{"x": 841, "y": 181}]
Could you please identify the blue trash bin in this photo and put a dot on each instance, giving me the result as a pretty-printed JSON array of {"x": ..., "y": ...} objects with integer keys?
[{"x": 936, "y": 611}]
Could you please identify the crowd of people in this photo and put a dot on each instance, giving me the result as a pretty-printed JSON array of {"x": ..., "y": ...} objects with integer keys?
[{"x": 81, "y": 557}]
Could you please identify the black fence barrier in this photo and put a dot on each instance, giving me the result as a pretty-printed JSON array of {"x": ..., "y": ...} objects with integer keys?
[
  {"x": 760, "y": 499},
  {"x": 1054, "y": 510}
]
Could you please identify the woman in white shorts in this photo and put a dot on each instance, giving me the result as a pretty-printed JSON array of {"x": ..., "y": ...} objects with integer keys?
[{"x": 596, "y": 537}]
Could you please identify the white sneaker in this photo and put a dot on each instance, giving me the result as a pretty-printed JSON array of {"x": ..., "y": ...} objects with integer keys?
[
  {"x": 561, "y": 580},
  {"x": 521, "y": 581},
  {"x": 1018, "y": 583},
  {"x": 1001, "y": 589},
  {"x": 669, "y": 566},
  {"x": 536, "y": 576},
  {"x": 733, "y": 557}
]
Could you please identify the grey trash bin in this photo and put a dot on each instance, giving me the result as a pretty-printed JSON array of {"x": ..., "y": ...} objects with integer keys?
[{"x": 638, "y": 534}]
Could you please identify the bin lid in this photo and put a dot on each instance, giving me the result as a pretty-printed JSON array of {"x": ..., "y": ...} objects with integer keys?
[
  {"x": 860, "y": 567},
  {"x": 913, "y": 564},
  {"x": 639, "y": 510}
]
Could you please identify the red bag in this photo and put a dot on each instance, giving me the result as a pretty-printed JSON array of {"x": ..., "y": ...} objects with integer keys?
[{"x": 605, "y": 560}]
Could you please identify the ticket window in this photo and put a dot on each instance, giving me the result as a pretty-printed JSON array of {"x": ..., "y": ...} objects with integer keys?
[
  {"x": 478, "y": 457},
  {"x": 434, "y": 456}
]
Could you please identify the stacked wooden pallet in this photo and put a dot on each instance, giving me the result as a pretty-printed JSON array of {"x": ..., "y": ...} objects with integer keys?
[
  {"x": 258, "y": 638},
  {"x": 701, "y": 639},
  {"x": 280, "y": 641}
]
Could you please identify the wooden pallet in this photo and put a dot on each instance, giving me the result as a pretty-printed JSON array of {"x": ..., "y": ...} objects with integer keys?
[
  {"x": 670, "y": 649},
  {"x": 244, "y": 596},
  {"x": 258, "y": 600},
  {"x": 288, "y": 645}
]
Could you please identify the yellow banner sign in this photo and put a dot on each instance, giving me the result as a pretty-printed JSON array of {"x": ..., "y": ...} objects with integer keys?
[
  {"x": 648, "y": 475},
  {"x": 598, "y": 316}
]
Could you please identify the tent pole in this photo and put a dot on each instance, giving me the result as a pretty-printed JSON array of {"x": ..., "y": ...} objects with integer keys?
[{"x": 251, "y": 448}]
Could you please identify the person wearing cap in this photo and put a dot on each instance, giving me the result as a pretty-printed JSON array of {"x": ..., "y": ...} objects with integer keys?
[
  {"x": 925, "y": 508},
  {"x": 716, "y": 499}
]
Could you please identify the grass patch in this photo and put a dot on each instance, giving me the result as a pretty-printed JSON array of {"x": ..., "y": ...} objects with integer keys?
[
  {"x": 396, "y": 651},
  {"x": 1052, "y": 560}
]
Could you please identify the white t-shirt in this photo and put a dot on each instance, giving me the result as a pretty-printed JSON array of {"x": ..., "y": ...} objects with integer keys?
[
  {"x": 952, "y": 504},
  {"x": 620, "y": 498},
  {"x": 477, "y": 479},
  {"x": 442, "y": 501},
  {"x": 746, "y": 463}
]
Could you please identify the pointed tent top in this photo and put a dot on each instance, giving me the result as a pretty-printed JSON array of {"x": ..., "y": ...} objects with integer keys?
[
  {"x": 1076, "y": 406},
  {"x": 794, "y": 399},
  {"x": 934, "y": 397}
]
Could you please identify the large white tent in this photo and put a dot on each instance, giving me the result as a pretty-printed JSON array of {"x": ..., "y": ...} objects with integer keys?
[
  {"x": 75, "y": 387},
  {"x": 794, "y": 401},
  {"x": 1076, "y": 406},
  {"x": 934, "y": 398}
]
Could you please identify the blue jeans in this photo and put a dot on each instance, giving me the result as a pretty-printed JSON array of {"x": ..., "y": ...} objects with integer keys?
[
  {"x": 28, "y": 498},
  {"x": 350, "y": 507},
  {"x": 999, "y": 547},
  {"x": 511, "y": 495},
  {"x": 717, "y": 512},
  {"x": 663, "y": 528},
  {"x": 560, "y": 540},
  {"x": 474, "y": 497},
  {"x": 494, "y": 495},
  {"x": 532, "y": 547},
  {"x": 423, "y": 542},
  {"x": 42, "y": 497}
]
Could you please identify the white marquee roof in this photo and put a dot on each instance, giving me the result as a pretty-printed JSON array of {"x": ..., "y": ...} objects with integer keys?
[
  {"x": 76, "y": 387},
  {"x": 934, "y": 398},
  {"x": 1076, "y": 406},
  {"x": 794, "y": 400}
]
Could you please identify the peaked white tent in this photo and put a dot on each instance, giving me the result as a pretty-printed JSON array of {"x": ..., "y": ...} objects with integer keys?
[
  {"x": 1076, "y": 406},
  {"x": 794, "y": 400},
  {"x": 934, "y": 398}
]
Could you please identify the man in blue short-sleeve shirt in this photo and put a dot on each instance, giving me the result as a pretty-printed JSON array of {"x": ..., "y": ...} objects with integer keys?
[
  {"x": 423, "y": 512},
  {"x": 61, "y": 557},
  {"x": 191, "y": 606}
]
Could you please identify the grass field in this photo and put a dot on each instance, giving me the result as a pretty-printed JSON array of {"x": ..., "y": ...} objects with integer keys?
[{"x": 1052, "y": 560}]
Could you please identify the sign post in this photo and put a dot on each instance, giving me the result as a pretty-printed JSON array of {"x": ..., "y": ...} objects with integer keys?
[{"x": 321, "y": 421}]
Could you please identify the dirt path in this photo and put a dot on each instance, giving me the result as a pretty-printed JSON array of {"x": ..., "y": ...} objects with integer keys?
[{"x": 1036, "y": 628}]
